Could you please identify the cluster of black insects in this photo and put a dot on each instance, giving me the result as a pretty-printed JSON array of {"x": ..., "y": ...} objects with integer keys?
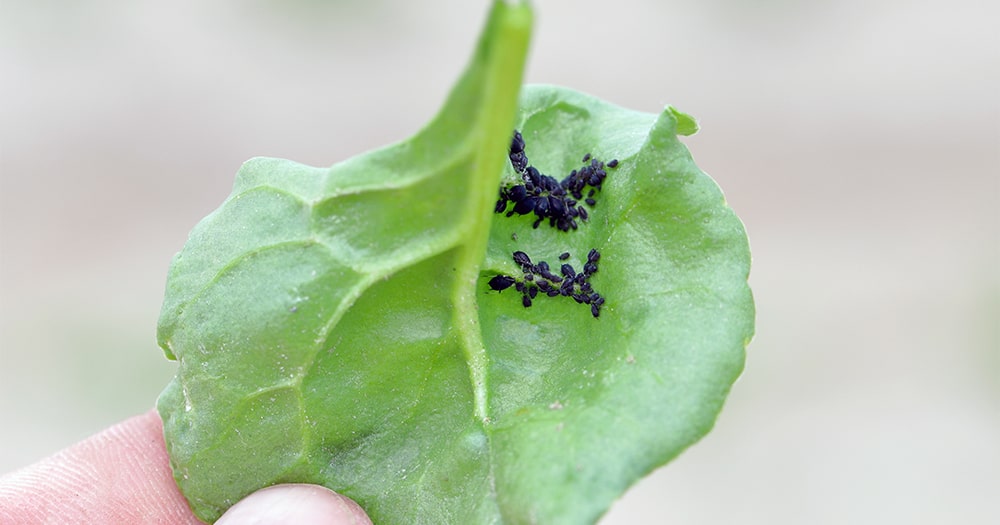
[
  {"x": 557, "y": 201},
  {"x": 560, "y": 203},
  {"x": 539, "y": 279}
]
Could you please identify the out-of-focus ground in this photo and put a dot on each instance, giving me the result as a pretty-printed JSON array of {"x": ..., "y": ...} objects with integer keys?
[{"x": 859, "y": 140}]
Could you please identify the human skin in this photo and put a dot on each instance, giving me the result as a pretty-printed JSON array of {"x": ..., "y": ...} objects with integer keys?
[{"x": 122, "y": 475}]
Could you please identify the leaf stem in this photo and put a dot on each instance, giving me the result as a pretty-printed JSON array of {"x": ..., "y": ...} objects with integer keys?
[{"x": 505, "y": 42}]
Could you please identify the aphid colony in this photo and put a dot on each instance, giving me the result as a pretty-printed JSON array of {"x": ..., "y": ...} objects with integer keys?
[
  {"x": 539, "y": 279},
  {"x": 547, "y": 198},
  {"x": 560, "y": 203}
]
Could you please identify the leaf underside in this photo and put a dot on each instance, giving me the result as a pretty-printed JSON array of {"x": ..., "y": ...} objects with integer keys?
[{"x": 335, "y": 325}]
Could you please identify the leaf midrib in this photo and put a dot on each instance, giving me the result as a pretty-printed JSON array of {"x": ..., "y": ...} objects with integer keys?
[{"x": 497, "y": 110}]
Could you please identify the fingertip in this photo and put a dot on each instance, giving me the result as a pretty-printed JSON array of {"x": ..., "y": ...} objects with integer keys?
[{"x": 295, "y": 503}]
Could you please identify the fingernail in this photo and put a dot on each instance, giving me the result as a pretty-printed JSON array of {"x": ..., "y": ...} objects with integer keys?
[{"x": 294, "y": 504}]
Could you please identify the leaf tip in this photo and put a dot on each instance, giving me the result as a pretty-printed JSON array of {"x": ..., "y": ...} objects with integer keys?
[{"x": 686, "y": 124}]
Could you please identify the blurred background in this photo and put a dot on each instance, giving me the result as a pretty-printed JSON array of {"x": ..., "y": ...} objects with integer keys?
[{"x": 859, "y": 140}]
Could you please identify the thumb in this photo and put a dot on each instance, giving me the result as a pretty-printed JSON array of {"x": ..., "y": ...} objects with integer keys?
[{"x": 294, "y": 504}]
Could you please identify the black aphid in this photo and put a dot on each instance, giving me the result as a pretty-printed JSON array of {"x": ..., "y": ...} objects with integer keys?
[
  {"x": 501, "y": 282},
  {"x": 586, "y": 158},
  {"x": 517, "y": 143},
  {"x": 590, "y": 201},
  {"x": 550, "y": 276},
  {"x": 522, "y": 259},
  {"x": 540, "y": 206},
  {"x": 568, "y": 271},
  {"x": 522, "y": 207},
  {"x": 613, "y": 163},
  {"x": 593, "y": 255},
  {"x": 595, "y": 310},
  {"x": 526, "y": 301},
  {"x": 563, "y": 256},
  {"x": 532, "y": 291},
  {"x": 517, "y": 193},
  {"x": 519, "y": 286},
  {"x": 557, "y": 207},
  {"x": 532, "y": 178}
]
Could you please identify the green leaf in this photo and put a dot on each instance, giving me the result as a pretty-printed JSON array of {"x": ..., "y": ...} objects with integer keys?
[{"x": 335, "y": 325}]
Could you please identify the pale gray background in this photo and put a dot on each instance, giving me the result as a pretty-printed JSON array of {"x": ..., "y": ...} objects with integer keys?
[{"x": 857, "y": 139}]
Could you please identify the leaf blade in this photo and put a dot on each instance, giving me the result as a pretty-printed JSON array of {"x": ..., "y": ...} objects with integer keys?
[{"x": 326, "y": 336}]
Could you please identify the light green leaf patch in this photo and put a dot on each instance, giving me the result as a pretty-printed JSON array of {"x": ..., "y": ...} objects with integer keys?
[{"x": 335, "y": 325}]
